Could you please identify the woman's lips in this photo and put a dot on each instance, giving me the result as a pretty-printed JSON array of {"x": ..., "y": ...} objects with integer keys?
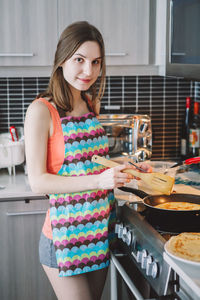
[{"x": 84, "y": 80}]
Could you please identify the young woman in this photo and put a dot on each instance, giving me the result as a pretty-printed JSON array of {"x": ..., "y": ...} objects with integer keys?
[{"x": 62, "y": 133}]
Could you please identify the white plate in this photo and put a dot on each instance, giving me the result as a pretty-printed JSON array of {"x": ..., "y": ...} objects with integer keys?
[{"x": 187, "y": 261}]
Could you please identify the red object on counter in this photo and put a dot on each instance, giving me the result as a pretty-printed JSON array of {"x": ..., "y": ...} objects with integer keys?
[
  {"x": 13, "y": 132},
  {"x": 192, "y": 160}
]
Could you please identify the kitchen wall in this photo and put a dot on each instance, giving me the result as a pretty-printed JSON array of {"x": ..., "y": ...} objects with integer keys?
[{"x": 163, "y": 98}]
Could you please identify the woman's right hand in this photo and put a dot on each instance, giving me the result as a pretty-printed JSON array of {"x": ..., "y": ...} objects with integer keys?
[{"x": 113, "y": 178}]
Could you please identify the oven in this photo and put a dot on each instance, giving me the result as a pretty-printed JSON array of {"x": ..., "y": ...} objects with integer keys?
[{"x": 138, "y": 257}]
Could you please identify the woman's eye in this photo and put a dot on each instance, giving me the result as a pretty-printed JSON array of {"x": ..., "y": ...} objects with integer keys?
[
  {"x": 79, "y": 59},
  {"x": 96, "y": 62}
]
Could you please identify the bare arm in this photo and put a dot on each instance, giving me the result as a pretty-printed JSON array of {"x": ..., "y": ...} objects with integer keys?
[{"x": 37, "y": 131}]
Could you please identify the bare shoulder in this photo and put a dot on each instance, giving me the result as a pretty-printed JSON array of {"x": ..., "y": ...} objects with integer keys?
[{"x": 38, "y": 110}]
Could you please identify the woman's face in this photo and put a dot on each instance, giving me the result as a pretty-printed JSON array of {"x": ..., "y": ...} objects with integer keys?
[{"x": 83, "y": 68}]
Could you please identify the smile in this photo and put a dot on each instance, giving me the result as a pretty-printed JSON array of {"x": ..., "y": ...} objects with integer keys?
[{"x": 84, "y": 80}]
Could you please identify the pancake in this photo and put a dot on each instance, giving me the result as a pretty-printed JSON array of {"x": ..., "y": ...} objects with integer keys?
[
  {"x": 179, "y": 206},
  {"x": 185, "y": 245}
]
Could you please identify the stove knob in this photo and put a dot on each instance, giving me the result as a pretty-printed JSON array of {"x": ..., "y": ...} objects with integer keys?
[
  {"x": 141, "y": 255},
  {"x": 128, "y": 237},
  {"x": 152, "y": 269},
  {"x": 116, "y": 228},
  {"x": 146, "y": 261},
  {"x": 143, "y": 260},
  {"x": 119, "y": 230},
  {"x": 134, "y": 240},
  {"x": 124, "y": 234}
]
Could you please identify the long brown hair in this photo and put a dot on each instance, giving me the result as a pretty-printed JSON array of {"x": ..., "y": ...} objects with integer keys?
[{"x": 70, "y": 40}]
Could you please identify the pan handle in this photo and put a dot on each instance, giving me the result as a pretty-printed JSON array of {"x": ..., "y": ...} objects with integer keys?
[{"x": 137, "y": 192}]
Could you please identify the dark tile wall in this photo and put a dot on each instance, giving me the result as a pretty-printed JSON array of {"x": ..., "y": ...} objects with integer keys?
[{"x": 163, "y": 98}]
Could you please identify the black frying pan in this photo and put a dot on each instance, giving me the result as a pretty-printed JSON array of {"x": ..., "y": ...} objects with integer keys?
[{"x": 151, "y": 201}]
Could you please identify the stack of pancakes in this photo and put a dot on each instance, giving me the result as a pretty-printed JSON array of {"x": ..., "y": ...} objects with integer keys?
[{"x": 185, "y": 245}]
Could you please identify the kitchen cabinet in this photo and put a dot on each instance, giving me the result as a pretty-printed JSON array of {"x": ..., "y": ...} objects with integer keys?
[
  {"x": 28, "y": 31},
  {"x": 124, "y": 24},
  {"x": 22, "y": 276}
]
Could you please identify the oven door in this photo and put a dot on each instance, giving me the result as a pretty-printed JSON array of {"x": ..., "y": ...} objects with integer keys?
[{"x": 126, "y": 283}]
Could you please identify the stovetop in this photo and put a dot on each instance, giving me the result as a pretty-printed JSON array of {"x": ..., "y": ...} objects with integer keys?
[{"x": 143, "y": 236}]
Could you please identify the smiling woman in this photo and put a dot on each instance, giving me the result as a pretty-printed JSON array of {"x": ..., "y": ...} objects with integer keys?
[
  {"x": 83, "y": 68},
  {"x": 62, "y": 133}
]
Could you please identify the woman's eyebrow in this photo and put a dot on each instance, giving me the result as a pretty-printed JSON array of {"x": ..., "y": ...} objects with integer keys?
[{"x": 79, "y": 54}]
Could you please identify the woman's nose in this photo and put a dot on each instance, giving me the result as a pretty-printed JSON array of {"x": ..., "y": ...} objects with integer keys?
[{"x": 88, "y": 68}]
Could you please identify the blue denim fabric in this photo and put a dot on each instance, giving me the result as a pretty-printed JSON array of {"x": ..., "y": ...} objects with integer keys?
[{"x": 47, "y": 252}]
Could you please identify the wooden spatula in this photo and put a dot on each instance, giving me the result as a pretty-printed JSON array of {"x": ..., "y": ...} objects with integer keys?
[{"x": 157, "y": 181}]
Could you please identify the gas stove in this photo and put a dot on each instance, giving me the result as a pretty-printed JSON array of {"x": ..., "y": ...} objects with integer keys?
[{"x": 140, "y": 241}]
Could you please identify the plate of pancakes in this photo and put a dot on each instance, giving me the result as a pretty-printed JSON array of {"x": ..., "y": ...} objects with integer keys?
[{"x": 185, "y": 247}]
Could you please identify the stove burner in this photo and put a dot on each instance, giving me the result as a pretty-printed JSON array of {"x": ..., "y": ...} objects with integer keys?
[{"x": 172, "y": 225}]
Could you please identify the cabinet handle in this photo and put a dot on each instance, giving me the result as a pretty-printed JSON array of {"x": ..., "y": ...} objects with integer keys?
[
  {"x": 16, "y": 54},
  {"x": 26, "y": 213},
  {"x": 178, "y": 53},
  {"x": 116, "y": 54}
]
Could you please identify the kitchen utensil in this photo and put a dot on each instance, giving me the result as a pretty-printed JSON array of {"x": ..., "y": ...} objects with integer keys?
[
  {"x": 13, "y": 132},
  {"x": 150, "y": 201},
  {"x": 157, "y": 181},
  {"x": 189, "y": 161},
  {"x": 140, "y": 169}
]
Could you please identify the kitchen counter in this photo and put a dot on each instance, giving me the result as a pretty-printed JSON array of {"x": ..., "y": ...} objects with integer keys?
[
  {"x": 190, "y": 274},
  {"x": 16, "y": 187}
]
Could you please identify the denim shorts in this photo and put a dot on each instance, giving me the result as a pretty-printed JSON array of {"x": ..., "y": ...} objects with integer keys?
[{"x": 47, "y": 252}]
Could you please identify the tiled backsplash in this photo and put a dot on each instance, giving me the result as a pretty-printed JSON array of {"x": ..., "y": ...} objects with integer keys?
[{"x": 163, "y": 98}]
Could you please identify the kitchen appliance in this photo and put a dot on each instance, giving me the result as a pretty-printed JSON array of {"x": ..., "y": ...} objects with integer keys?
[
  {"x": 157, "y": 181},
  {"x": 151, "y": 202},
  {"x": 128, "y": 135},
  {"x": 183, "y": 46},
  {"x": 141, "y": 237},
  {"x": 189, "y": 161}
]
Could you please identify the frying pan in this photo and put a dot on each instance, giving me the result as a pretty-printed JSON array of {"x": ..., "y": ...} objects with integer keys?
[{"x": 150, "y": 201}]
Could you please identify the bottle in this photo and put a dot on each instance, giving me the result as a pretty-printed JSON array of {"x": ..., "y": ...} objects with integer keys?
[
  {"x": 185, "y": 130},
  {"x": 194, "y": 135}
]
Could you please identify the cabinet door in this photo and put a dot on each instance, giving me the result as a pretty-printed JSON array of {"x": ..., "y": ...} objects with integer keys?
[
  {"x": 28, "y": 32},
  {"x": 124, "y": 25},
  {"x": 22, "y": 276}
]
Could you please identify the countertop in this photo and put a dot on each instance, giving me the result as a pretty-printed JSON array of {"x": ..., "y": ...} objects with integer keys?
[
  {"x": 16, "y": 187},
  {"x": 189, "y": 273}
]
